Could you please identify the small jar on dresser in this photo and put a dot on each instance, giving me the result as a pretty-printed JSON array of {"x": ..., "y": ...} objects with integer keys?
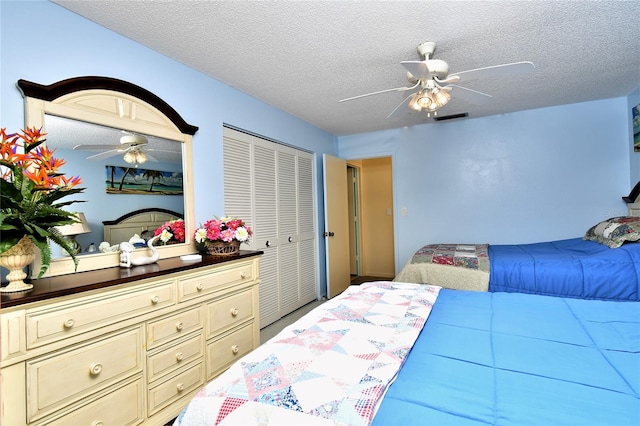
[{"x": 125, "y": 346}]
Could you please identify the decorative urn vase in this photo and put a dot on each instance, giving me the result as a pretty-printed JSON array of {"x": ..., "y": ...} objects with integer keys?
[{"x": 15, "y": 260}]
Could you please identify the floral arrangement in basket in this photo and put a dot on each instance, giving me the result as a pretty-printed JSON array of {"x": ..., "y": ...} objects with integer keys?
[
  {"x": 222, "y": 236},
  {"x": 171, "y": 232}
]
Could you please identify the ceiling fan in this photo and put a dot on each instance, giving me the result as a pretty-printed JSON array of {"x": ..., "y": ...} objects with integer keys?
[
  {"x": 434, "y": 84},
  {"x": 133, "y": 146}
]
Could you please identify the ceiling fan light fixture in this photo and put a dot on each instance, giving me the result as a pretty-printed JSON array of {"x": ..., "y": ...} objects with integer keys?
[
  {"x": 441, "y": 97},
  {"x": 135, "y": 157},
  {"x": 413, "y": 103},
  {"x": 424, "y": 100},
  {"x": 141, "y": 157}
]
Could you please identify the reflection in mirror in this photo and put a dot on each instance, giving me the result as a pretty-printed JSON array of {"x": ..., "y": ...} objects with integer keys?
[{"x": 116, "y": 184}]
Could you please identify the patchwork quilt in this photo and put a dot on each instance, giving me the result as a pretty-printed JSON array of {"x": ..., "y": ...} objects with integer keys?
[
  {"x": 454, "y": 266},
  {"x": 472, "y": 256},
  {"x": 331, "y": 367}
]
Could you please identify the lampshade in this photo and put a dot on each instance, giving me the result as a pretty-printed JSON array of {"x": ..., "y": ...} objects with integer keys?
[{"x": 81, "y": 227}]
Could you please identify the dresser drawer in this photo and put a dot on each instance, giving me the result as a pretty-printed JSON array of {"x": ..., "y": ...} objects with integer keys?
[
  {"x": 182, "y": 353},
  {"x": 50, "y": 325},
  {"x": 175, "y": 388},
  {"x": 228, "y": 312},
  {"x": 119, "y": 407},
  {"x": 223, "y": 352},
  {"x": 201, "y": 284},
  {"x": 168, "y": 328},
  {"x": 56, "y": 380}
]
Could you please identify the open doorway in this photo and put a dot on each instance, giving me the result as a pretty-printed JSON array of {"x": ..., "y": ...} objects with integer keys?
[{"x": 371, "y": 229}]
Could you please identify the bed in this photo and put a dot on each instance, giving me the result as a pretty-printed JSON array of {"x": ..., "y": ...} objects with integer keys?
[
  {"x": 389, "y": 353},
  {"x": 604, "y": 264},
  {"x": 137, "y": 222}
]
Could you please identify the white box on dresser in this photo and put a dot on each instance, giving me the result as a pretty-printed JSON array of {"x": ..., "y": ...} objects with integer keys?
[{"x": 124, "y": 347}]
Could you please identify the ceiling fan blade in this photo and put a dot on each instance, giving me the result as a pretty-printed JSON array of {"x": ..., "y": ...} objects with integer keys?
[
  {"x": 469, "y": 95},
  {"x": 397, "y": 89},
  {"x": 105, "y": 154},
  {"x": 418, "y": 69},
  {"x": 516, "y": 68},
  {"x": 95, "y": 147},
  {"x": 150, "y": 157},
  {"x": 399, "y": 109}
]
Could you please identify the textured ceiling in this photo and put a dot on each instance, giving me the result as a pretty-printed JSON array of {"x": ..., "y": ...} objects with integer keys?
[{"x": 304, "y": 56}]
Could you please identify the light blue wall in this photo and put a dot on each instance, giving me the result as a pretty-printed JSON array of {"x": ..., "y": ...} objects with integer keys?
[
  {"x": 634, "y": 163},
  {"x": 43, "y": 42},
  {"x": 515, "y": 178}
]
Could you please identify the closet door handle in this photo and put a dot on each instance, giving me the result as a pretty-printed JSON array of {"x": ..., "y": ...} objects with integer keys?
[
  {"x": 268, "y": 244},
  {"x": 290, "y": 239}
]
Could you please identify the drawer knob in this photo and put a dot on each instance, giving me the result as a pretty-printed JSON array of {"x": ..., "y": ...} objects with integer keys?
[
  {"x": 97, "y": 423},
  {"x": 95, "y": 369},
  {"x": 155, "y": 300},
  {"x": 243, "y": 275},
  {"x": 69, "y": 323},
  {"x": 199, "y": 287},
  {"x": 180, "y": 387},
  {"x": 179, "y": 356},
  {"x": 179, "y": 326},
  {"x": 234, "y": 312},
  {"x": 235, "y": 349}
]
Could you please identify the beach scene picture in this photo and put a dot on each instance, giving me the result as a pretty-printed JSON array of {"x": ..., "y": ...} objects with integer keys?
[{"x": 132, "y": 180}]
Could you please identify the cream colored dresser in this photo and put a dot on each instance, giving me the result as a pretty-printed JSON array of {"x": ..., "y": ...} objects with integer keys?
[{"x": 124, "y": 347}]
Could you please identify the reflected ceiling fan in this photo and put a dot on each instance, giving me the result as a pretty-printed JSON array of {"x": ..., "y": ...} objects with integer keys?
[
  {"x": 133, "y": 146},
  {"x": 434, "y": 85}
]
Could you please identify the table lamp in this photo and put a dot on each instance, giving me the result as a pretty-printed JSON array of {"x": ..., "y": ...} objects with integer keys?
[{"x": 70, "y": 231}]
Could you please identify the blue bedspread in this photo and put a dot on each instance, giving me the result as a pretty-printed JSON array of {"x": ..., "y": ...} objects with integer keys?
[
  {"x": 569, "y": 268},
  {"x": 516, "y": 359}
]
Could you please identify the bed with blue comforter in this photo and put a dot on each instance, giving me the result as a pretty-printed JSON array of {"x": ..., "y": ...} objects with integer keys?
[
  {"x": 516, "y": 359},
  {"x": 570, "y": 268},
  {"x": 390, "y": 353},
  {"x": 604, "y": 265}
]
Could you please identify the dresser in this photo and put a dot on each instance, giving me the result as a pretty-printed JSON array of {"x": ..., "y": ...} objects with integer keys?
[{"x": 124, "y": 346}]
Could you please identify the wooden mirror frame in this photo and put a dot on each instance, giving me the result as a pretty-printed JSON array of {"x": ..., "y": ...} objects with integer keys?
[{"x": 123, "y": 105}]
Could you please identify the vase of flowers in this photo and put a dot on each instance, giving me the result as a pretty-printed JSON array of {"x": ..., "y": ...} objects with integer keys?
[
  {"x": 31, "y": 190},
  {"x": 222, "y": 236},
  {"x": 171, "y": 232}
]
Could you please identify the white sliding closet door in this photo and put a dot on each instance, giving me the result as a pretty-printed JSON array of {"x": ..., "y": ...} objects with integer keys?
[{"x": 280, "y": 182}]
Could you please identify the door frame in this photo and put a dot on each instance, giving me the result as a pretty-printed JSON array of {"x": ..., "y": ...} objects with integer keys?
[{"x": 396, "y": 210}]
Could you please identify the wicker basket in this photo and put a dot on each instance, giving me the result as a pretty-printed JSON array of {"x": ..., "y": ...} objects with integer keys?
[{"x": 223, "y": 249}]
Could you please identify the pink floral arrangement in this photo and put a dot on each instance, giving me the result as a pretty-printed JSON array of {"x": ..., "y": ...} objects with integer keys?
[
  {"x": 172, "y": 231},
  {"x": 223, "y": 229}
]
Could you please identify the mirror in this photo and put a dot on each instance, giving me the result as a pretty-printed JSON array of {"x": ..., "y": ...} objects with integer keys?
[
  {"x": 84, "y": 112},
  {"x": 114, "y": 187}
]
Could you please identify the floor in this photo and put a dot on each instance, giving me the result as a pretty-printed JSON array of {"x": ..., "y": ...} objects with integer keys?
[{"x": 271, "y": 330}]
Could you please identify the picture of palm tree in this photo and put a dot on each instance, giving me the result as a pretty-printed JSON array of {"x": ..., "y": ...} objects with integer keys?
[{"x": 132, "y": 180}]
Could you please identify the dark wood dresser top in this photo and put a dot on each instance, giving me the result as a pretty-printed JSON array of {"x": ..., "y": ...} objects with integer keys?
[{"x": 62, "y": 285}]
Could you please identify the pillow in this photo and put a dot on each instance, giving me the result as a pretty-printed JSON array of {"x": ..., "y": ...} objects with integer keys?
[{"x": 615, "y": 231}]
